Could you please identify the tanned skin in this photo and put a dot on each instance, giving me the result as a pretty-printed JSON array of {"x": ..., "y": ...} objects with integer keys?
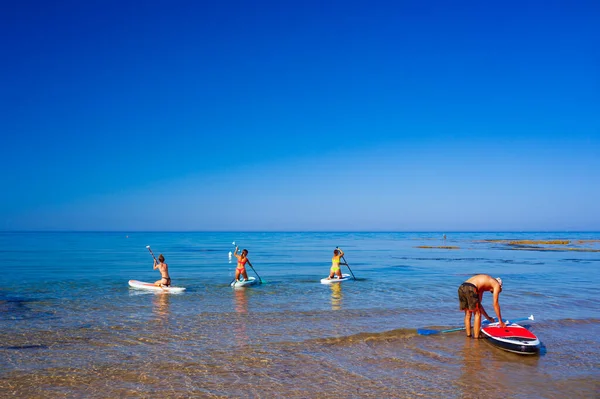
[{"x": 484, "y": 283}]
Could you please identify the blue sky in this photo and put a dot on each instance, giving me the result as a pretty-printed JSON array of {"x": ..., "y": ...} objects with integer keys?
[{"x": 300, "y": 115}]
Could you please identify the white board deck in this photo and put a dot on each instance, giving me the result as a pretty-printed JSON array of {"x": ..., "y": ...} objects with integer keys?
[
  {"x": 345, "y": 277},
  {"x": 140, "y": 285},
  {"x": 244, "y": 283}
]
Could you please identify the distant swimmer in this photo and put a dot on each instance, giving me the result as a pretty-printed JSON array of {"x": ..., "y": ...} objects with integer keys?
[
  {"x": 165, "y": 280},
  {"x": 444, "y": 237},
  {"x": 470, "y": 294},
  {"x": 242, "y": 259},
  {"x": 335, "y": 264}
]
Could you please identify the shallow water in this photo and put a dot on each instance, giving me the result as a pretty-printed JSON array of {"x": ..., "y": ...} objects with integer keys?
[{"x": 71, "y": 327}]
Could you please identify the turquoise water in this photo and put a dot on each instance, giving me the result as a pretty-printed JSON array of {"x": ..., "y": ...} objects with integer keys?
[{"x": 71, "y": 325}]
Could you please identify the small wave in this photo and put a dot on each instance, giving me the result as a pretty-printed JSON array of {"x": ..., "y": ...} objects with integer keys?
[
  {"x": 367, "y": 337},
  {"x": 570, "y": 322}
]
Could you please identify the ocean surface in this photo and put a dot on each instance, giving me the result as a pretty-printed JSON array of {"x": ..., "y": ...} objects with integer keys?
[{"x": 72, "y": 328}]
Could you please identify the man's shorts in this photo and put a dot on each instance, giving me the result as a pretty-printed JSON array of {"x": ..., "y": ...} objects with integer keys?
[{"x": 468, "y": 297}]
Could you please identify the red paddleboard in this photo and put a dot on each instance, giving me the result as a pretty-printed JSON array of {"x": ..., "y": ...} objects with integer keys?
[{"x": 513, "y": 338}]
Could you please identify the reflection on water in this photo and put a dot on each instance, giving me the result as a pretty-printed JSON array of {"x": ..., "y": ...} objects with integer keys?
[
  {"x": 241, "y": 308},
  {"x": 471, "y": 369},
  {"x": 241, "y": 301},
  {"x": 161, "y": 305},
  {"x": 336, "y": 296}
]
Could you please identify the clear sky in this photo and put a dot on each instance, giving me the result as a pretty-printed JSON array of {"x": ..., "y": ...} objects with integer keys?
[{"x": 300, "y": 115}]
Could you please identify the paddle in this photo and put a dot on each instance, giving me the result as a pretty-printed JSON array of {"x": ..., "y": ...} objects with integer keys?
[
  {"x": 422, "y": 331},
  {"x": 259, "y": 279},
  {"x": 346, "y": 263},
  {"x": 233, "y": 272},
  {"x": 151, "y": 253}
]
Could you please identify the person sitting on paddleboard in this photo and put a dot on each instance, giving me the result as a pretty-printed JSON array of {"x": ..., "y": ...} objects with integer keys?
[
  {"x": 241, "y": 264},
  {"x": 335, "y": 264},
  {"x": 165, "y": 281},
  {"x": 470, "y": 294}
]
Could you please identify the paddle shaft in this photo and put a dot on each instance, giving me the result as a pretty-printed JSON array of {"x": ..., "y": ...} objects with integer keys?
[
  {"x": 346, "y": 263},
  {"x": 507, "y": 321},
  {"x": 259, "y": 279},
  {"x": 233, "y": 272},
  {"x": 151, "y": 253},
  {"x": 431, "y": 332}
]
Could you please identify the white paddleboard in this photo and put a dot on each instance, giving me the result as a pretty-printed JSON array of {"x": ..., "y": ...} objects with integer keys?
[
  {"x": 327, "y": 280},
  {"x": 151, "y": 287},
  {"x": 244, "y": 283}
]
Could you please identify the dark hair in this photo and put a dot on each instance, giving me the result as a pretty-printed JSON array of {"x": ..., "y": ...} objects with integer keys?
[
  {"x": 161, "y": 258},
  {"x": 335, "y": 252},
  {"x": 245, "y": 250}
]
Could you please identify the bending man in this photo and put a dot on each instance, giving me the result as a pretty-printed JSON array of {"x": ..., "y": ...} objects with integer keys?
[{"x": 470, "y": 294}]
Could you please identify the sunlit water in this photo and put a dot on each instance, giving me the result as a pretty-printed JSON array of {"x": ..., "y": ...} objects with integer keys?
[{"x": 71, "y": 326}]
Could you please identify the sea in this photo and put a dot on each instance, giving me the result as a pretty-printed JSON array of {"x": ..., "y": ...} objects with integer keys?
[{"x": 71, "y": 327}]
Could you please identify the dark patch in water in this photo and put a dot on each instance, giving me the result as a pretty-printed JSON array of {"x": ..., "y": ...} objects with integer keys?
[
  {"x": 516, "y": 262},
  {"x": 481, "y": 260},
  {"x": 20, "y": 347},
  {"x": 10, "y": 305},
  {"x": 441, "y": 259},
  {"x": 13, "y": 308},
  {"x": 580, "y": 260}
]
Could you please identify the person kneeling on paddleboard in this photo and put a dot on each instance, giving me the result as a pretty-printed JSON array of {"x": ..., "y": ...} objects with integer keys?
[
  {"x": 335, "y": 264},
  {"x": 241, "y": 264},
  {"x": 165, "y": 281},
  {"x": 470, "y": 294}
]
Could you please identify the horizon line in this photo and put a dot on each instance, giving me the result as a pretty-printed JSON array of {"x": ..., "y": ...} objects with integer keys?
[{"x": 300, "y": 231}]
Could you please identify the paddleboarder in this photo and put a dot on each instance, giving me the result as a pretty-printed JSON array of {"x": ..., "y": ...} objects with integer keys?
[
  {"x": 470, "y": 294},
  {"x": 165, "y": 280},
  {"x": 241, "y": 264},
  {"x": 335, "y": 264}
]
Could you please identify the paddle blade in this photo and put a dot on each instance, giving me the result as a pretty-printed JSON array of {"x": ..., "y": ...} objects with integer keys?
[
  {"x": 422, "y": 331},
  {"x": 147, "y": 246}
]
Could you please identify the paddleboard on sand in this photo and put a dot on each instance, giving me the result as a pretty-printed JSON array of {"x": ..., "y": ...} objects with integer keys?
[
  {"x": 513, "y": 338},
  {"x": 151, "y": 287},
  {"x": 244, "y": 283},
  {"x": 327, "y": 280}
]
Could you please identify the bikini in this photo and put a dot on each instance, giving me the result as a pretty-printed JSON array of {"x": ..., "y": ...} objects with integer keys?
[
  {"x": 242, "y": 265},
  {"x": 335, "y": 264}
]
